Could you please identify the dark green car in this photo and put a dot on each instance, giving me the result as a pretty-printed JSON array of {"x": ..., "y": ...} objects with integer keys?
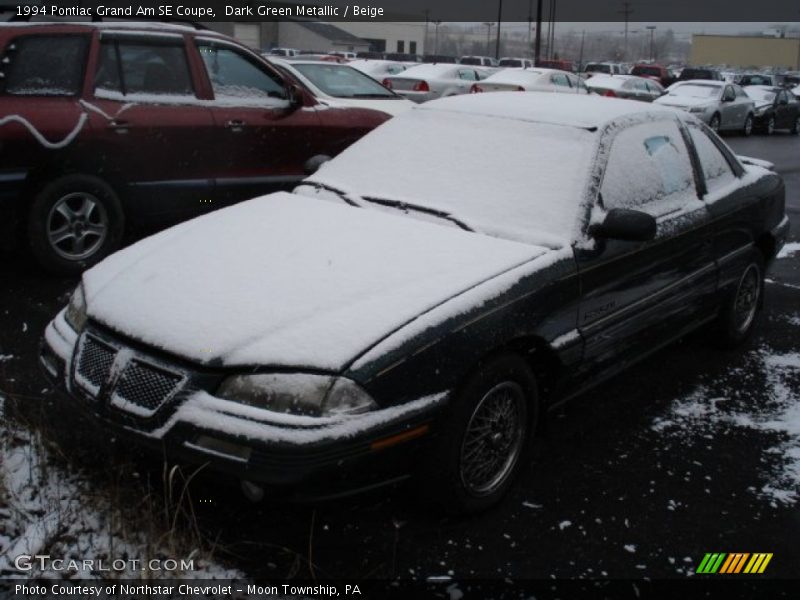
[{"x": 417, "y": 304}]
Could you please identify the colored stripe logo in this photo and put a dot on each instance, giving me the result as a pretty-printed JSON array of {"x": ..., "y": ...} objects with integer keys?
[{"x": 734, "y": 563}]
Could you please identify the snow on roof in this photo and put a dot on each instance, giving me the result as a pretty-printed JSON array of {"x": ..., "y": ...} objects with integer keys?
[
  {"x": 516, "y": 76},
  {"x": 614, "y": 82},
  {"x": 576, "y": 110}
]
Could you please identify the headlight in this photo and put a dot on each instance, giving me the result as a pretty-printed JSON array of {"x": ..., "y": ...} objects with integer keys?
[
  {"x": 298, "y": 394},
  {"x": 759, "y": 112},
  {"x": 698, "y": 109},
  {"x": 76, "y": 311}
]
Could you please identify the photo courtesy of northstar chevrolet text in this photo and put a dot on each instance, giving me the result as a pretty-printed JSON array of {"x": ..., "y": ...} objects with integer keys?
[{"x": 414, "y": 298}]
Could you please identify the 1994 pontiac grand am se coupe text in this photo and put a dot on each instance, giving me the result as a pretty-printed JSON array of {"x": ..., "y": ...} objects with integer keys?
[{"x": 413, "y": 308}]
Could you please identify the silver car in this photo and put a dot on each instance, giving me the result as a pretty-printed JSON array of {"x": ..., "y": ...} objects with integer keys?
[
  {"x": 722, "y": 106},
  {"x": 430, "y": 81}
]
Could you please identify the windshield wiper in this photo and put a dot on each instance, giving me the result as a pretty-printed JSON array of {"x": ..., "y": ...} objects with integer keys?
[
  {"x": 416, "y": 207},
  {"x": 343, "y": 195}
]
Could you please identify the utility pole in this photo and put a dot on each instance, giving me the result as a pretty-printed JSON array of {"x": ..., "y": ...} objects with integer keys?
[
  {"x": 436, "y": 24},
  {"x": 499, "y": 19},
  {"x": 538, "y": 48},
  {"x": 489, "y": 26},
  {"x": 580, "y": 56},
  {"x": 652, "y": 29},
  {"x": 427, "y": 12},
  {"x": 626, "y": 11},
  {"x": 530, "y": 25},
  {"x": 552, "y": 42}
]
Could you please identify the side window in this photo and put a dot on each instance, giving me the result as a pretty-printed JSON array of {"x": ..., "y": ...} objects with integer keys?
[
  {"x": 142, "y": 68},
  {"x": 559, "y": 79},
  {"x": 728, "y": 94},
  {"x": 716, "y": 170},
  {"x": 649, "y": 169},
  {"x": 234, "y": 75},
  {"x": 467, "y": 74},
  {"x": 44, "y": 65}
]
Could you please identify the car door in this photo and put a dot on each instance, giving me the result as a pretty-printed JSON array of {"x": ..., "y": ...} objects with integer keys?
[
  {"x": 156, "y": 137},
  {"x": 637, "y": 295},
  {"x": 264, "y": 141},
  {"x": 729, "y": 112},
  {"x": 744, "y": 104},
  {"x": 560, "y": 83}
]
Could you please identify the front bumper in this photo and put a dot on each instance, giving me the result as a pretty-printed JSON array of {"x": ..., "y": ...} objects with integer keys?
[{"x": 291, "y": 456}]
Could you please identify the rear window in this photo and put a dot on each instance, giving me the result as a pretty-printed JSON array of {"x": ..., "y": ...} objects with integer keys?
[
  {"x": 653, "y": 71},
  {"x": 510, "y": 62},
  {"x": 44, "y": 65},
  {"x": 470, "y": 60},
  {"x": 592, "y": 68}
]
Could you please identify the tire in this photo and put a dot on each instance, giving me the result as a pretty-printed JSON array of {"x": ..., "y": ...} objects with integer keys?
[
  {"x": 74, "y": 222},
  {"x": 741, "y": 309},
  {"x": 769, "y": 128},
  {"x": 747, "y": 128},
  {"x": 796, "y": 127},
  {"x": 715, "y": 123},
  {"x": 501, "y": 397}
]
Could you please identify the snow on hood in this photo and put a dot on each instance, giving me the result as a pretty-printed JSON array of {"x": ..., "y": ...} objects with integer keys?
[
  {"x": 390, "y": 106},
  {"x": 286, "y": 280}
]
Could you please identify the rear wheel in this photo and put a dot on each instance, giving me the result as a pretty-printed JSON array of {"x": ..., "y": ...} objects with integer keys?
[
  {"x": 796, "y": 127},
  {"x": 747, "y": 128},
  {"x": 477, "y": 455},
  {"x": 740, "y": 312},
  {"x": 74, "y": 222}
]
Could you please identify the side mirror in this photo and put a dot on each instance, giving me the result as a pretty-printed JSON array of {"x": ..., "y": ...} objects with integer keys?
[
  {"x": 627, "y": 225},
  {"x": 295, "y": 95},
  {"x": 313, "y": 164}
]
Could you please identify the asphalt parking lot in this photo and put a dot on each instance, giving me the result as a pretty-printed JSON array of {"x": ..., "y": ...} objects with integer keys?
[{"x": 684, "y": 454}]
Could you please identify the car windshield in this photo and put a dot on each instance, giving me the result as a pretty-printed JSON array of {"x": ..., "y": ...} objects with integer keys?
[
  {"x": 695, "y": 91},
  {"x": 341, "y": 81},
  {"x": 761, "y": 95},
  {"x": 506, "y": 178}
]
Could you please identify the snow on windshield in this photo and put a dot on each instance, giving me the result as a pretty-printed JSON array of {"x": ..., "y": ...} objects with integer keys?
[
  {"x": 695, "y": 91},
  {"x": 507, "y": 178}
]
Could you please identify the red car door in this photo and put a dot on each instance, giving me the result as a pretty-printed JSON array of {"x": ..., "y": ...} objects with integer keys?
[
  {"x": 263, "y": 141},
  {"x": 157, "y": 136}
]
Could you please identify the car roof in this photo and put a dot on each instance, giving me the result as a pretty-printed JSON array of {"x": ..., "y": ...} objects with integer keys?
[
  {"x": 115, "y": 26},
  {"x": 706, "y": 82},
  {"x": 572, "y": 110}
]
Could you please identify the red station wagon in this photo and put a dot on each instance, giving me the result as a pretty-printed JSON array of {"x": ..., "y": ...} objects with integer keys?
[{"x": 107, "y": 125}]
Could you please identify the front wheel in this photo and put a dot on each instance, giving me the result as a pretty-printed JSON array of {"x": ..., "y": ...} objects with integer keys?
[
  {"x": 740, "y": 312},
  {"x": 715, "y": 123},
  {"x": 747, "y": 128},
  {"x": 75, "y": 222},
  {"x": 769, "y": 128},
  {"x": 796, "y": 127},
  {"x": 478, "y": 452}
]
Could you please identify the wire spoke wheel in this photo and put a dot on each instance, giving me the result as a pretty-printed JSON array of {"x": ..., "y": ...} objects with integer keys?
[
  {"x": 494, "y": 438},
  {"x": 77, "y": 226},
  {"x": 745, "y": 303}
]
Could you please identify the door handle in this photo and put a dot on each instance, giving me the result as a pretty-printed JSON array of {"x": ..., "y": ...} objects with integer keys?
[{"x": 234, "y": 125}]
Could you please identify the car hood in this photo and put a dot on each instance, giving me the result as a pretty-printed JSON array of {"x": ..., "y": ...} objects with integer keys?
[
  {"x": 286, "y": 280},
  {"x": 390, "y": 106}
]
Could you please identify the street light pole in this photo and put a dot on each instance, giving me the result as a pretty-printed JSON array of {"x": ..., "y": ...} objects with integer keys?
[
  {"x": 489, "y": 26},
  {"x": 436, "y": 24},
  {"x": 652, "y": 29},
  {"x": 538, "y": 47},
  {"x": 499, "y": 19}
]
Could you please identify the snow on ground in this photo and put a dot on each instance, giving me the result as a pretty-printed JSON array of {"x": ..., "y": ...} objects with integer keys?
[
  {"x": 789, "y": 250},
  {"x": 720, "y": 406},
  {"x": 45, "y": 509}
]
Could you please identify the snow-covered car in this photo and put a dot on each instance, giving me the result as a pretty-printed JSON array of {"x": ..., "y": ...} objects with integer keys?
[
  {"x": 430, "y": 81},
  {"x": 478, "y": 61},
  {"x": 341, "y": 86},
  {"x": 775, "y": 108},
  {"x": 625, "y": 86},
  {"x": 609, "y": 68},
  {"x": 378, "y": 69},
  {"x": 722, "y": 106},
  {"x": 510, "y": 62},
  {"x": 531, "y": 80},
  {"x": 404, "y": 311}
]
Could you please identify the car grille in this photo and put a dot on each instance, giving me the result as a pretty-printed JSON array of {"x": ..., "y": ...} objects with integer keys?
[
  {"x": 142, "y": 386},
  {"x": 94, "y": 364},
  {"x": 146, "y": 386}
]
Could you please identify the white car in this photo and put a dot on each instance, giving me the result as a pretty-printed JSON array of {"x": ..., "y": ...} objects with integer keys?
[
  {"x": 510, "y": 62},
  {"x": 478, "y": 61},
  {"x": 285, "y": 52},
  {"x": 378, "y": 69},
  {"x": 531, "y": 80},
  {"x": 631, "y": 87},
  {"x": 430, "y": 81},
  {"x": 342, "y": 86},
  {"x": 608, "y": 68}
]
